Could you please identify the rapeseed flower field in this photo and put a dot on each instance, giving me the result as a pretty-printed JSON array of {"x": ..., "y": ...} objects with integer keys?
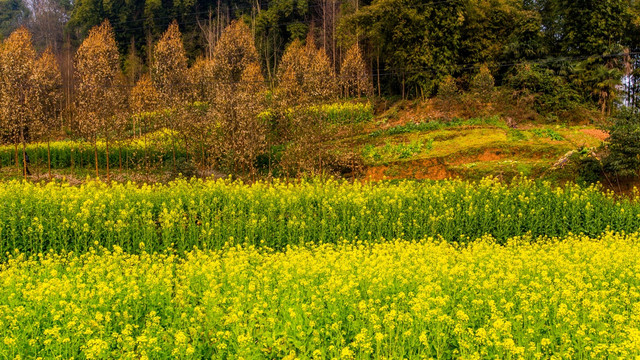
[
  {"x": 315, "y": 269},
  {"x": 573, "y": 297},
  {"x": 36, "y": 218}
]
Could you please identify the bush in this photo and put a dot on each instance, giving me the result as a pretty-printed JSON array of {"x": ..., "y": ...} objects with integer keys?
[
  {"x": 448, "y": 88},
  {"x": 483, "y": 82},
  {"x": 623, "y": 148},
  {"x": 550, "y": 92},
  {"x": 589, "y": 170}
]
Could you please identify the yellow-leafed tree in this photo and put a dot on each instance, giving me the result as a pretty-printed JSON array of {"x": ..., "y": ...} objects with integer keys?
[
  {"x": 100, "y": 85},
  {"x": 18, "y": 96},
  {"x": 201, "y": 79},
  {"x": 168, "y": 74},
  {"x": 305, "y": 74},
  {"x": 355, "y": 80},
  {"x": 144, "y": 99},
  {"x": 240, "y": 88},
  {"x": 48, "y": 82}
]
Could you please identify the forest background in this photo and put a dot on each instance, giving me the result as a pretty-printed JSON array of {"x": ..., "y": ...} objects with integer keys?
[{"x": 563, "y": 59}]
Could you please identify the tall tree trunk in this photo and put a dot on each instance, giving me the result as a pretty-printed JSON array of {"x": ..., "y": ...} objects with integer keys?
[
  {"x": 324, "y": 25},
  {"x": 402, "y": 86},
  {"x": 378, "y": 70},
  {"x": 333, "y": 34}
]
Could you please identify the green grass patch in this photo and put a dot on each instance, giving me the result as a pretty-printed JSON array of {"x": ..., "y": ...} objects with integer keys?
[
  {"x": 431, "y": 125},
  {"x": 548, "y": 133},
  {"x": 399, "y": 151}
]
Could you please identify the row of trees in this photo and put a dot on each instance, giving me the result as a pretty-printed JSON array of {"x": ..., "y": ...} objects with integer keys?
[
  {"x": 590, "y": 48},
  {"x": 30, "y": 90},
  {"x": 220, "y": 109}
]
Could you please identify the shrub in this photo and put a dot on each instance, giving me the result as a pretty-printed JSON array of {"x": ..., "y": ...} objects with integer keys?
[
  {"x": 623, "y": 145},
  {"x": 550, "y": 92},
  {"x": 483, "y": 82},
  {"x": 448, "y": 88}
]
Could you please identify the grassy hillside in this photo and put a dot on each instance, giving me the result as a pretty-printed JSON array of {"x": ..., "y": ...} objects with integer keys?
[{"x": 420, "y": 143}]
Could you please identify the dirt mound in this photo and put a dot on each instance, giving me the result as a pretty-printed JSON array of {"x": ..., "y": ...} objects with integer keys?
[{"x": 596, "y": 133}]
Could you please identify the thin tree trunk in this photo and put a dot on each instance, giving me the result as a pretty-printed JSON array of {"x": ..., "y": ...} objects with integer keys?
[
  {"x": 24, "y": 152},
  {"x": 324, "y": 25},
  {"x": 49, "y": 156},
  {"x": 275, "y": 57},
  {"x": 120, "y": 156},
  {"x": 333, "y": 34},
  {"x": 266, "y": 57},
  {"x": 403, "y": 86},
  {"x": 203, "y": 159},
  {"x": 173, "y": 151},
  {"x": 378, "y": 70},
  {"x": 16, "y": 152},
  {"x": 95, "y": 153},
  {"x": 146, "y": 158},
  {"x": 108, "y": 173}
]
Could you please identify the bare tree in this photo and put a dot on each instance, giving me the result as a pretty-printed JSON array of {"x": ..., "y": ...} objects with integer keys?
[
  {"x": 46, "y": 23},
  {"x": 329, "y": 12}
]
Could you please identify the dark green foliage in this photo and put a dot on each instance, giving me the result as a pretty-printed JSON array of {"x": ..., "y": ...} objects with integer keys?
[
  {"x": 589, "y": 169},
  {"x": 437, "y": 124},
  {"x": 12, "y": 14},
  {"x": 547, "y": 133},
  {"x": 623, "y": 157},
  {"x": 420, "y": 42},
  {"x": 550, "y": 91},
  {"x": 138, "y": 19}
]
